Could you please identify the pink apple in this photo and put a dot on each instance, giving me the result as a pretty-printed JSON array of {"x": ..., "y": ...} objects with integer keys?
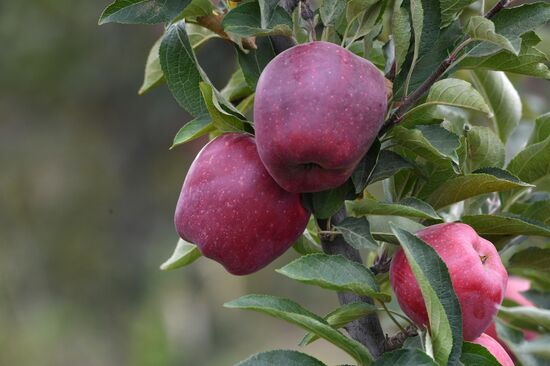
[
  {"x": 233, "y": 210},
  {"x": 478, "y": 276},
  {"x": 495, "y": 349},
  {"x": 318, "y": 109}
]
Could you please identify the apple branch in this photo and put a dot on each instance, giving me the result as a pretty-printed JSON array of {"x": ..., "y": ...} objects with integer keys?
[
  {"x": 409, "y": 101},
  {"x": 366, "y": 330}
]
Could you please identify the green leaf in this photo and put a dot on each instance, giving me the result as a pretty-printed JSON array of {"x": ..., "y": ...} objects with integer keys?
[
  {"x": 531, "y": 164},
  {"x": 525, "y": 317},
  {"x": 327, "y": 203},
  {"x": 530, "y": 60},
  {"x": 512, "y": 22},
  {"x": 449, "y": 92},
  {"x": 505, "y": 225},
  {"x": 482, "y": 29},
  {"x": 409, "y": 207},
  {"x": 483, "y": 149},
  {"x": 362, "y": 173},
  {"x": 253, "y": 62},
  {"x": 356, "y": 232},
  {"x": 542, "y": 129},
  {"x": 197, "y": 8},
  {"x": 405, "y": 357},
  {"x": 198, "y": 35},
  {"x": 432, "y": 142},
  {"x": 142, "y": 11},
  {"x": 401, "y": 30},
  {"x": 334, "y": 272},
  {"x": 181, "y": 69},
  {"x": 470, "y": 185},
  {"x": 306, "y": 244},
  {"x": 437, "y": 290},
  {"x": 280, "y": 357},
  {"x": 194, "y": 129},
  {"x": 538, "y": 211},
  {"x": 236, "y": 87},
  {"x": 380, "y": 227},
  {"x": 341, "y": 316},
  {"x": 294, "y": 313},
  {"x": 267, "y": 11},
  {"x": 502, "y": 98},
  {"x": 246, "y": 21},
  {"x": 153, "y": 71},
  {"x": 451, "y": 8},
  {"x": 184, "y": 254},
  {"x": 417, "y": 18},
  {"x": 532, "y": 258},
  {"x": 330, "y": 11},
  {"x": 475, "y": 354},
  {"x": 222, "y": 120},
  {"x": 388, "y": 164}
]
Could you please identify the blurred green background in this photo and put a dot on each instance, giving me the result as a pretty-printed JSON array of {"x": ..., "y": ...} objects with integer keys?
[{"x": 87, "y": 193}]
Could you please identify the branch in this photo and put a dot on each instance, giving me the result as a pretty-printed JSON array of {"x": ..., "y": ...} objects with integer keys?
[
  {"x": 397, "y": 340},
  {"x": 366, "y": 330},
  {"x": 409, "y": 101},
  {"x": 213, "y": 22}
]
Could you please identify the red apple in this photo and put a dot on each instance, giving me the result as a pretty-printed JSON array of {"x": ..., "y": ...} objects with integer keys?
[
  {"x": 478, "y": 276},
  {"x": 495, "y": 349},
  {"x": 317, "y": 110},
  {"x": 233, "y": 210}
]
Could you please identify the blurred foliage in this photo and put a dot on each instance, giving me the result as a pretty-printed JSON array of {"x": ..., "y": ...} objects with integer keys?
[{"x": 87, "y": 192}]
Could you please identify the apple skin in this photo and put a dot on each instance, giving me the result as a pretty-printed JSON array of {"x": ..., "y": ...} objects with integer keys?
[
  {"x": 495, "y": 349},
  {"x": 479, "y": 285},
  {"x": 317, "y": 110},
  {"x": 233, "y": 210}
]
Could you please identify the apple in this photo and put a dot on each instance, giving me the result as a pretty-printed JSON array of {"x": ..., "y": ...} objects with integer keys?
[
  {"x": 476, "y": 271},
  {"x": 513, "y": 292},
  {"x": 317, "y": 110},
  {"x": 495, "y": 349},
  {"x": 233, "y": 210}
]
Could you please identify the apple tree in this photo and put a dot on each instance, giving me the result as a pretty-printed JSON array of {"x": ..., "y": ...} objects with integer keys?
[{"x": 371, "y": 137}]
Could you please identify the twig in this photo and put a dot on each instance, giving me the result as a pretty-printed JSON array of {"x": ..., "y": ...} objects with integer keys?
[
  {"x": 213, "y": 22},
  {"x": 409, "y": 101},
  {"x": 397, "y": 340}
]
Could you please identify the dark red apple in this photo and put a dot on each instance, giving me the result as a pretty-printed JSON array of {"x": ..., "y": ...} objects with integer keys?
[
  {"x": 476, "y": 271},
  {"x": 318, "y": 109},
  {"x": 233, "y": 210},
  {"x": 495, "y": 349}
]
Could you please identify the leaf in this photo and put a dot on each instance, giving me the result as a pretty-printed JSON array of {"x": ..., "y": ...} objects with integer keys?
[
  {"x": 294, "y": 313},
  {"x": 405, "y": 357},
  {"x": 532, "y": 258},
  {"x": 197, "y": 8},
  {"x": 502, "y": 98},
  {"x": 142, "y": 11},
  {"x": 409, "y": 207},
  {"x": 236, "y": 87},
  {"x": 356, "y": 232},
  {"x": 246, "y": 21},
  {"x": 538, "y": 211},
  {"x": 505, "y": 225},
  {"x": 181, "y": 69},
  {"x": 449, "y": 92},
  {"x": 432, "y": 142},
  {"x": 198, "y": 35},
  {"x": 327, "y": 203},
  {"x": 380, "y": 227},
  {"x": 526, "y": 317},
  {"x": 470, "y": 185},
  {"x": 417, "y": 18},
  {"x": 401, "y": 31},
  {"x": 253, "y": 62},
  {"x": 280, "y": 357},
  {"x": 437, "y": 290},
  {"x": 341, "y": 316},
  {"x": 482, "y": 29},
  {"x": 451, "y": 8},
  {"x": 388, "y": 164},
  {"x": 330, "y": 11},
  {"x": 531, "y": 164},
  {"x": 184, "y": 254},
  {"x": 222, "y": 120},
  {"x": 483, "y": 148},
  {"x": 362, "y": 173},
  {"x": 267, "y": 10},
  {"x": 334, "y": 272},
  {"x": 306, "y": 245},
  {"x": 475, "y": 354},
  {"x": 542, "y": 129},
  {"x": 512, "y": 22},
  {"x": 194, "y": 129},
  {"x": 153, "y": 71},
  {"x": 530, "y": 60}
]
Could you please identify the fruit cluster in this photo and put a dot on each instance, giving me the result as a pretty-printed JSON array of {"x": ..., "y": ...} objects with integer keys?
[{"x": 317, "y": 111}]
